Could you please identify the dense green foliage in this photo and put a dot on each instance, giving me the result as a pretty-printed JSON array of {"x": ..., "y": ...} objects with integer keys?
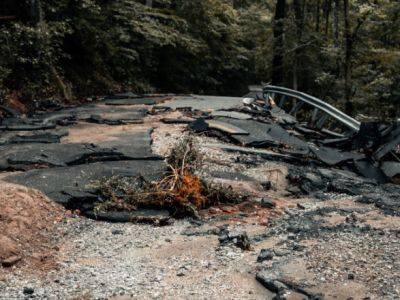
[{"x": 74, "y": 48}]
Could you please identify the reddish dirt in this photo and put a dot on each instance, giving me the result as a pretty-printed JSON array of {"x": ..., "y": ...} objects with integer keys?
[{"x": 27, "y": 227}]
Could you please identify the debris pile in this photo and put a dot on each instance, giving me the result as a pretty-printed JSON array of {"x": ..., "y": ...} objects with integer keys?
[
  {"x": 180, "y": 190},
  {"x": 275, "y": 124},
  {"x": 308, "y": 131}
]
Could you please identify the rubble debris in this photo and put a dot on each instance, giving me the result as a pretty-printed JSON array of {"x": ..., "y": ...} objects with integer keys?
[
  {"x": 237, "y": 238},
  {"x": 368, "y": 169},
  {"x": 281, "y": 117},
  {"x": 391, "y": 143},
  {"x": 271, "y": 284},
  {"x": 320, "y": 180},
  {"x": 391, "y": 168},
  {"x": 367, "y": 137},
  {"x": 263, "y": 135},
  {"x": 265, "y": 154},
  {"x": 334, "y": 157},
  {"x": 198, "y": 126},
  {"x": 265, "y": 254}
]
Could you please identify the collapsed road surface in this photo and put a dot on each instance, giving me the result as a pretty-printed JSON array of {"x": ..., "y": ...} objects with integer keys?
[{"x": 320, "y": 220}]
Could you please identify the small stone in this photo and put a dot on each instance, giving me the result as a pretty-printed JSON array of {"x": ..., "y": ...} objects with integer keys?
[
  {"x": 28, "y": 291},
  {"x": 268, "y": 203},
  {"x": 265, "y": 254},
  {"x": 117, "y": 232},
  {"x": 9, "y": 262},
  {"x": 270, "y": 283},
  {"x": 281, "y": 253},
  {"x": 243, "y": 242},
  {"x": 267, "y": 185},
  {"x": 182, "y": 271},
  {"x": 350, "y": 276},
  {"x": 298, "y": 247}
]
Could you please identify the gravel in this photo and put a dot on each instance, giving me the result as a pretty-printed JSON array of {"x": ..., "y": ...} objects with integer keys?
[{"x": 100, "y": 260}]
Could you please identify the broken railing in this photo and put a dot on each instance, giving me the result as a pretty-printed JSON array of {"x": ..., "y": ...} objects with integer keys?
[{"x": 281, "y": 95}]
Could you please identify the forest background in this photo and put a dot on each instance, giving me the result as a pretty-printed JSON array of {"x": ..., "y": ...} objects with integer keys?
[{"x": 346, "y": 52}]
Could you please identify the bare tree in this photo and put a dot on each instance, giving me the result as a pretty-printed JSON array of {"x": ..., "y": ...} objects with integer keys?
[{"x": 279, "y": 30}]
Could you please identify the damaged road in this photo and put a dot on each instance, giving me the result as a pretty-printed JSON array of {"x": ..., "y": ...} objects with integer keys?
[{"x": 319, "y": 216}]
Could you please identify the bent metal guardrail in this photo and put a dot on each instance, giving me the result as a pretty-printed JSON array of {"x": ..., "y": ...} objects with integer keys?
[{"x": 340, "y": 116}]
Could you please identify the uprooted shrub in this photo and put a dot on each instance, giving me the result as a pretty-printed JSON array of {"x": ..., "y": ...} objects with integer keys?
[{"x": 180, "y": 190}]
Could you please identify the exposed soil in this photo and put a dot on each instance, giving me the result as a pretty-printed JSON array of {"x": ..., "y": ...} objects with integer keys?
[{"x": 27, "y": 227}]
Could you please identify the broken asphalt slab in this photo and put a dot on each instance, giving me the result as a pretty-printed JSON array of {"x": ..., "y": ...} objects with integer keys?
[
  {"x": 72, "y": 186},
  {"x": 319, "y": 181},
  {"x": 333, "y": 157},
  {"x": 263, "y": 134},
  {"x": 231, "y": 114},
  {"x": 265, "y": 154},
  {"x": 137, "y": 101},
  {"x": 39, "y": 136},
  {"x": 98, "y": 113},
  {"x": 126, "y": 146}
]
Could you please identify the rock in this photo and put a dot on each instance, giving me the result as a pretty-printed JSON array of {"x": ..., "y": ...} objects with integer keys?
[
  {"x": 239, "y": 239},
  {"x": 243, "y": 241},
  {"x": 183, "y": 271},
  {"x": 28, "y": 291},
  {"x": 281, "y": 253},
  {"x": 200, "y": 125},
  {"x": 298, "y": 247},
  {"x": 9, "y": 262},
  {"x": 268, "y": 203},
  {"x": 265, "y": 254},
  {"x": 117, "y": 231},
  {"x": 267, "y": 185},
  {"x": 271, "y": 283},
  {"x": 350, "y": 276}
]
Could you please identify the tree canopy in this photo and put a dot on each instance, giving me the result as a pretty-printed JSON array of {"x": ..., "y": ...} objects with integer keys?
[{"x": 344, "y": 51}]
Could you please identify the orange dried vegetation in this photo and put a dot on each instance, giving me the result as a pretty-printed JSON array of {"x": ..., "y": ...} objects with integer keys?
[{"x": 188, "y": 189}]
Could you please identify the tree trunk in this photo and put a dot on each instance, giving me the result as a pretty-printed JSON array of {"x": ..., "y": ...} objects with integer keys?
[
  {"x": 38, "y": 18},
  {"x": 299, "y": 8},
  {"x": 347, "y": 60},
  {"x": 327, "y": 12},
  {"x": 318, "y": 16},
  {"x": 278, "y": 48},
  {"x": 336, "y": 23},
  {"x": 36, "y": 14}
]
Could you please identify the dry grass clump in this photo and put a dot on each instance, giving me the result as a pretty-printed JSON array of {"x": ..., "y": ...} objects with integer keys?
[{"x": 180, "y": 190}]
